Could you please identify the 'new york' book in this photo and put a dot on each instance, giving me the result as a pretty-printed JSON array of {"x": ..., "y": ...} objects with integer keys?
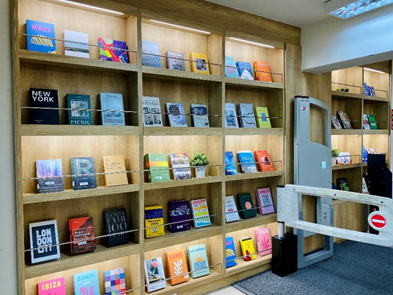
[
  {"x": 79, "y": 106},
  {"x": 230, "y": 252},
  {"x": 83, "y": 171},
  {"x": 36, "y": 40},
  {"x": 42, "y": 236},
  {"x": 86, "y": 283},
  {"x": 82, "y": 235},
  {"x": 116, "y": 222},
  {"x": 179, "y": 215},
  {"x": 49, "y": 174},
  {"x": 41, "y": 99},
  {"x": 52, "y": 287},
  {"x": 113, "y": 104}
]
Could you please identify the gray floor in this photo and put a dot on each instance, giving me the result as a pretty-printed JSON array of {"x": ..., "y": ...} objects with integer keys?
[{"x": 356, "y": 268}]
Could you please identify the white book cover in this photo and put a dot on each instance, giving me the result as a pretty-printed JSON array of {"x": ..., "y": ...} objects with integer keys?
[
  {"x": 42, "y": 236},
  {"x": 247, "y": 115},
  {"x": 176, "y": 114},
  {"x": 364, "y": 186},
  {"x": 231, "y": 212},
  {"x": 231, "y": 116},
  {"x": 155, "y": 276},
  {"x": 151, "y": 112},
  {"x": 112, "y": 102},
  {"x": 199, "y": 115},
  {"x": 76, "y": 49},
  {"x": 246, "y": 75},
  {"x": 343, "y": 158}
]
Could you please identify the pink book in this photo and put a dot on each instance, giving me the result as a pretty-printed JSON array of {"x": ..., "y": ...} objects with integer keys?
[
  {"x": 264, "y": 241},
  {"x": 265, "y": 202},
  {"x": 52, "y": 287}
]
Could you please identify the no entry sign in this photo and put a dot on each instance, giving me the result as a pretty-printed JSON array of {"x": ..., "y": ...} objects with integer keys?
[{"x": 376, "y": 220}]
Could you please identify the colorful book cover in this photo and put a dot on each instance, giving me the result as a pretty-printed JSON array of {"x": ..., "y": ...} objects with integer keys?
[
  {"x": 113, "y": 50},
  {"x": 230, "y": 252},
  {"x": 154, "y": 222},
  {"x": 199, "y": 63},
  {"x": 342, "y": 184},
  {"x": 180, "y": 166},
  {"x": 86, "y": 283},
  {"x": 199, "y": 115},
  {"x": 82, "y": 235},
  {"x": 248, "y": 250},
  {"x": 176, "y": 114},
  {"x": 83, "y": 171},
  {"x": 49, "y": 174},
  {"x": 200, "y": 213},
  {"x": 115, "y": 282},
  {"x": 230, "y": 67},
  {"x": 264, "y": 161},
  {"x": 263, "y": 118},
  {"x": 199, "y": 264},
  {"x": 265, "y": 201},
  {"x": 245, "y": 70},
  {"x": 176, "y": 263},
  {"x": 52, "y": 287},
  {"x": 246, "y": 115},
  {"x": 155, "y": 276},
  {"x": 44, "y": 239},
  {"x": 156, "y": 163},
  {"x": 336, "y": 123},
  {"x": 179, "y": 216},
  {"x": 364, "y": 155},
  {"x": 230, "y": 167},
  {"x": 116, "y": 222},
  {"x": 231, "y": 213},
  {"x": 246, "y": 161},
  {"x": 246, "y": 205},
  {"x": 344, "y": 158},
  {"x": 264, "y": 241},
  {"x": 113, "y": 165},
  {"x": 151, "y": 112},
  {"x": 35, "y": 41},
  {"x": 79, "y": 106},
  {"x": 78, "y": 47},
  {"x": 366, "y": 122},
  {"x": 44, "y": 98},
  {"x": 151, "y": 54},
  {"x": 373, "y": 123},
  {"x": 230, "y": 116},
  {"x": 262, "y": 71},
  {"x": 175, "y": 61},
  {"x": 344, "y": 119},
  {"x": 113, "y": 102}
]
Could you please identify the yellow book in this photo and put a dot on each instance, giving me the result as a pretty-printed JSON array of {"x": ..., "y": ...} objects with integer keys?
[
  {"x": 248, "y": 249},
  {"x": 263, "y": 119},
  {"x": 114, "y": 164},
  {"x": 154, "y": 221},
  {"x": 199, "y": 63}
]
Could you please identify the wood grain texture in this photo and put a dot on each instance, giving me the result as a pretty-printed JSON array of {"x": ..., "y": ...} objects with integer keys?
[
  {"x": 350, "y": 78},
  {"x": 353, "y": 108},
  {"x": 351, "y": 144},
  {"x": 380, "y": 82}
]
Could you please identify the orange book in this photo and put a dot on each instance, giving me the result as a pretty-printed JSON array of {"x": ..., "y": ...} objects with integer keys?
[
  {"x": 264, "y": 161},
  {"x": 112, "y": 165},
  {"x": 262, "y": 71},
  {"x": 177, "y": 265}
]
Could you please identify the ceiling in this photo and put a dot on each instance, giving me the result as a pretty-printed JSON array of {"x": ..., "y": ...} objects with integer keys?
[{"x": 299, "y": 13}]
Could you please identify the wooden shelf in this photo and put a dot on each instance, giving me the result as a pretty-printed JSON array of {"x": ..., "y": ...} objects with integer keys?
[
  {"x": 178, "y": 75},
  {"x": 258, "y": 220},
  {"x": 179, "y": 183},
  {"x": 349, "y": 166},
  {"x": 254, "y": 131},
  {"x": 244, "y": 176},
  {"x": 74, "y": 130},
  {"x": 346, "y": 95},
  {"x": 253, "y": 84},
  {"x": 170, "y": 131},
  {"x": 377, "y": 132},
  {"x": 243, "y": 265},
  {"x": 375, "y": 98},
  {"x": 68, "y": 261},
  {"x": 347, "y": 131}
]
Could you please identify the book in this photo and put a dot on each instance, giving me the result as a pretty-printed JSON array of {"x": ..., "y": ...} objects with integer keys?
[
  {"x": 44, "y": 239},
  {"x": 36, "y": 32},
  {"x": 114, "y": 103},
  {"x": 113, "y": 165},
  {"x": 83, "y": 171},
  {"x": 114, "y": 282},
  {"x": 264, "y": 161},
  {"x": 262, "y": 71},
  {"x": 199, "y": 115},
  {"x": 156, "y": 163},
  {"x": 154, "y": 222},
  {"x": 151, "y": 54},
  {"x": 245, "y": 70},
  {"x": 246, "y": 115},
  {"x": 230, "y": 167},
  {"x": 344, "y": 158},
  {"x": 116, "y": 222},
  {"x": 41, "y": 99},
  {"x": 176, "y": 263},
  {"x": 200, "y": 213},
  {"x": 364, "y": 155},
  {"x": 230, "y": 252},
  {"x": 336, "y": 123},
  {"x": 82, "y": 235},
  {"x": 199, "y": 63},
  {"x": 180, "y": 166},
  {"x": 175, "y": 61},
  {"x": 86, "y": 283},
  {"x": 246, "y": 205},
  {"x": 344, "y": 119},
  {"x": 264, "y": 200},
  {"x": 49, "y": 174},
  {"x": 54, "y": 286},
  {"x": 78, "y": 47},
  {"x": 364, "y": 186},
  {"x": 264, "y": 241},
  {"x": 113, "y": 50},
  {"x": 263, "y": 119},
  {"x": 366, "y": 122},
  {"x": 230, "y": 116},
  {"x": 373, "y": 123},
  {"x": 230, "y": 68},
  {"x": 176, "y": 114},
  {"x": 371, "y": 151},
  {"x": 154, "y": 273},
  {"x": 151, "y": 112},
  {"x": 79, "y": 106},
  {"x": 197, "y": 257},
  {"x": 246, "y": 161},
  {"x": 231, "y": 213},
  {"x": 179, "y": 216},
  {"x": 248, "y": 250},
  {"x": 342, "y": 184}
]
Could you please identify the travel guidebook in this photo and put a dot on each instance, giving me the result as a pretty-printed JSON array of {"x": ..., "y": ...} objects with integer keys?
[
  {"x": 175, "y": 61},
  {"x": 181, "y": 166},
  {"x": 157, "y": 165},
  {"x": 176, "y": 263},
  {"x": 49, "y": 174},
  {"x": 79, "y": 113},
  {"x": 230, "y": 116},
  {"x": 114, "y": 282},
  {"x": 197, "y": 257},
  {"x": 231, "y": 212},
  {"x": 36, "y": 41},
  {"x": 113, "y": 104},
  {"x": 230, "y": 68},
  {"x": 151, "y": 112},
  {"x": 154, "y": 221},
  {"x": 41, "y": 99},
  {"x": 113, "y": 50},
  {"x": 81, "y": 235},
  {"x": 230, "y": 252},
  {"x": 151, "y": 54},
  {"x": 83, "y": 171},
  {"x": 52, "y": 287},
  {"x": 176, "y": 114},
  {"x": 78, "y": 47},
  {"x": 199, "y": 115},
  {"x": 44, "y": 239},
  {"x": 230, "y": 166},
  {"x": 179, "y": 215},
  {"x": 200, "y": 213},
  {"x": 155, "y": 276},
  {"x": 86, "y": 283}
]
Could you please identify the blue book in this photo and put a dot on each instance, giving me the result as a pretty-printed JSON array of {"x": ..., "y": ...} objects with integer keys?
[
  {"x": 230, "y": 68},
  {"x": 112, "y": 102},
  {"x": 247, "y": 162},
  {"x": 176, "y": 114},
  {"x": 230, "y": 252},
  {"x": 83, "y": 170},
  {"x": 150, "y": 54},
  {"x": 364, "y": 155},
  {"x": 86, "y": 283},
  {"x": 230, "y": 169},
  {"x": 36, "y": 43},
  {"x": 79, "y": 105},
  {"x": 245, "y": 70}
]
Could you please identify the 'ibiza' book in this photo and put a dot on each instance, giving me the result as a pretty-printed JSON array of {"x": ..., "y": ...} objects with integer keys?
[{"x": 52, "y": 287}]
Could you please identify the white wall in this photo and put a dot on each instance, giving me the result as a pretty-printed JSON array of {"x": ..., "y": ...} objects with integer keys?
[{"x": 8, "y": 273}]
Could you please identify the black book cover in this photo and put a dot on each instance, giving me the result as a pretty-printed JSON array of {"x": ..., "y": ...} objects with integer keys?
[
  {"x": 80, "y": 167},
  {"x": 44, "y": 98},
  {"x": 116, "y": 222}
]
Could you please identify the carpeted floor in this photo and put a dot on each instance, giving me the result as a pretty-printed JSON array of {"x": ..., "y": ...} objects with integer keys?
[{"x": 355, "y": 268}]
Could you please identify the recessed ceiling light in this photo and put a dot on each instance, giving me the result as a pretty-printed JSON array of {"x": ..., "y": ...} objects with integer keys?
[
  {"x": 345, "y": 9},
  {"x": 92, "y": 7},
  {"x": 181, "y": 27},
  {"x": 372, "y": 70},
  {"x": 250, "y": 42}
]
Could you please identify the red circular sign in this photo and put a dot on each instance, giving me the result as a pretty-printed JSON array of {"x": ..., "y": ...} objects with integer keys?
[{"x": 378, "y": 221}]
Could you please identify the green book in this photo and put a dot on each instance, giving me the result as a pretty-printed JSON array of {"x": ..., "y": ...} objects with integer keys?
[
  {"x": 199, "y": 264},
  {"x": 246, "y": 205},
  {"x": 156, "y": 163},
  {"x": 373, "y": 123},
  {"x": 79, "y": 106}
]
